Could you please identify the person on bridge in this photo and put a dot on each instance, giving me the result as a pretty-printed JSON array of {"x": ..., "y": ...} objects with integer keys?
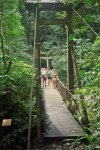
[
  {"x": 55, "y": 78},
  {"x": 44, "y": 75},
  {"x": 50, "y": 76}
]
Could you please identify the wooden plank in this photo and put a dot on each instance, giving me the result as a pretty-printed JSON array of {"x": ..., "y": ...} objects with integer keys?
[
  {"x": 53, "y": 21},
  {"x": 46, "y": 57},
  {"x": 46, "y": 6}
]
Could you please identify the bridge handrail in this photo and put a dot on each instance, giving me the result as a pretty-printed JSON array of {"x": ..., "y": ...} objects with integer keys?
[
  {"x": 71, "y": 101},
  {"x": 62, "y": 90}
]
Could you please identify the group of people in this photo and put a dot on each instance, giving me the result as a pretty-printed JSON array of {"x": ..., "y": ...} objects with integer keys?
[{"x": 49, "y": 77}]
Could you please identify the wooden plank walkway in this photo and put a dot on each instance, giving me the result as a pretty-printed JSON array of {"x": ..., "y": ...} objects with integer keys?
[{"x": 60, "y": 122}]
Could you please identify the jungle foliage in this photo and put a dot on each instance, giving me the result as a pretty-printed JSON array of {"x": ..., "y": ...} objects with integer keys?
[
  {"x": 15, "y": 77},
  {"x": 16, "y": 44}
]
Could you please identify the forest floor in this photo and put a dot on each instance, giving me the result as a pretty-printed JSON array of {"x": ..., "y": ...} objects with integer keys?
[{"x": 59, "y": 146}]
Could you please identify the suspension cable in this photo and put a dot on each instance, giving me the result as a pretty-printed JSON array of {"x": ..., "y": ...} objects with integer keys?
[
  {"x": 31, "y": 90},
  {"x": 86, "y": 22}
]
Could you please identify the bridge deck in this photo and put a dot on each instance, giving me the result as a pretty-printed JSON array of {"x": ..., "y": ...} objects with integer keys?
[{"x": 60, "y": 122}]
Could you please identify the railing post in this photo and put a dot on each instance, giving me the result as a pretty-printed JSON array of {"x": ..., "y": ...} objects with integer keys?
[
  {"x": 85, "y": 119},
  {"x": 67, "y": 95}
]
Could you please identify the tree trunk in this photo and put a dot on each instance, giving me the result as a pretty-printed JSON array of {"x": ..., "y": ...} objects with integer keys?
[{"x": 1, "y": 38}]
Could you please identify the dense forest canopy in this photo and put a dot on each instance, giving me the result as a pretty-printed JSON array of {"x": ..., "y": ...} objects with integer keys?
[{"x": 17, "y": 29}]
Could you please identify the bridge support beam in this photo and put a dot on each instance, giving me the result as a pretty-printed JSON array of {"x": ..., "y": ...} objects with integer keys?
[
  {"x": 38, "y": 84},
  {"x": 70, "y": 72}
]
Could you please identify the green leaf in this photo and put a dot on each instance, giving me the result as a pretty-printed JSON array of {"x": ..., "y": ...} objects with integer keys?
[
  {"x": 89, "y": 18},
  {"x": 71, "y": 37},
  {"x": 75, "y": 3},
  {"x": 88, "y": 2}
]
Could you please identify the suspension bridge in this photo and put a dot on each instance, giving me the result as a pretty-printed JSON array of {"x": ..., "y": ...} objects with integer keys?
[{"x": 59, "y": 121}]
